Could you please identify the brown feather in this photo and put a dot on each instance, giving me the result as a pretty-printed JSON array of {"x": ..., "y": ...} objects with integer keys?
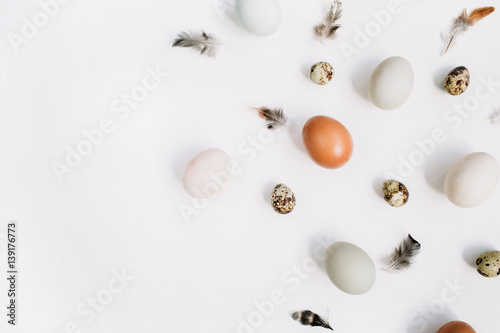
[
  {"x": 464, "y": 21},
  {"x": 463, "y": 15},
  {"x": 479, "y": 13}
]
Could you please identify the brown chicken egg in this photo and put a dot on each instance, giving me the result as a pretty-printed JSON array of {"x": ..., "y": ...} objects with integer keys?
[
  {"x": 456, "y": 327},
  {"x": 327, "y": 142}
]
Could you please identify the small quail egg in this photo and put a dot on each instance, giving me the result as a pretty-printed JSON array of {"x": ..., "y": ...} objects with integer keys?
[
  {"x": 457, "y": 81},
  {"x": 321, "y": 73},
  {"x": 395, "y": 193},
  {"x": 488, "y": 264},
  {"x": 282, "y": 199}
]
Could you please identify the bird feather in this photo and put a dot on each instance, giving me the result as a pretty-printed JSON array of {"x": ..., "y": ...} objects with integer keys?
[
  {"x": 403, "y": 255},
  {"x": 310, "y": 318},
  {"x": 202, "y": 42},
  {"x": 328, "y": 28},
  {"x": 464, "y": 21},
  {"x": 274, "y": 118}
]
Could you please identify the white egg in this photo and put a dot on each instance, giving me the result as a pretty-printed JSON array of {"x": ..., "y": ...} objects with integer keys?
[
  {"x": 259, "y": 17},
  {"x": 472, "y": 180},
  {"x": 350, "y": 268},
  {"x": 391, "y": 83},
  {"x": 207, "y": 173}
]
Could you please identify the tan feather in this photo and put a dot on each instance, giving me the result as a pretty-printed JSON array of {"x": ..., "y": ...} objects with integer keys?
[
  {"x": 464, "y": 21},
  {"x": 478, "y": 14}
]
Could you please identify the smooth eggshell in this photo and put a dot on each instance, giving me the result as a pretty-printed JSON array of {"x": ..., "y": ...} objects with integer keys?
[
  {"x": 391, "y": 83},
  {"x": 456, "y": 327},
  {"x": 472, "y": 180},
  {"x": 350, "y": 268},
  {"x": 327, "y": 142},
  {"x": 207, "y": 173},
  {"x": 259, "y": 17}
]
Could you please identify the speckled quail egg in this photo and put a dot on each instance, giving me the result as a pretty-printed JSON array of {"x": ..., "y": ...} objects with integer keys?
[
  {"x": 488, "y": 264},
  {"x": 457, "y": 81},
  {"x": 283, "y": 199},
  {"x": 395, "y": 193},
  {"x": 321, "y": 73}
]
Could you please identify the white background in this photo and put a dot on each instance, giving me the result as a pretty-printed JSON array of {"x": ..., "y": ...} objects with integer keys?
[{"x": 119, "y": 209}]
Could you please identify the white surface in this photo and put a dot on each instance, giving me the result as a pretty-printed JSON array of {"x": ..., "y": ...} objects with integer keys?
[{"x": 119, "y": 209}]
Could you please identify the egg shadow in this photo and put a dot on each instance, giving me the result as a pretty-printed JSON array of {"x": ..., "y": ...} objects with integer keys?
[
  {"x": 306, "y": 71},
  {"x": 181, "y": 160},
  {"x": 267, "y": 191},
  {"x": 438, "y": 165},
  {"x": 437, "y": 321},
  {"x": 318, "y": 246},
  {"x": 472, "y": 252},
  {"x": 377, "y": 186},
  {"x": 440, "y": 76},
  {"x": 227, "y": 9},
  {"x": 361, "y": 77},
  {"x": 294, "y": 127}
]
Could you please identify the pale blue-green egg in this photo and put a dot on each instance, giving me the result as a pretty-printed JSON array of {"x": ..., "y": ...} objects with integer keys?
[
  {"x": 350, "y": 268},
  {"x": 391, "y": 83},
  {"x": 259, "y": 17}
]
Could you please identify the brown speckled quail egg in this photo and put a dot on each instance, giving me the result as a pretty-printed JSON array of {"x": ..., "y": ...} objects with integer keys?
[
  {"x": 395, "y": 193},
  {"x": 457, "y": 81},
  {"x": 282, "y": 199},
  {"x": 488, "y": 264},
  {"x": 321, "y": 73}
]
